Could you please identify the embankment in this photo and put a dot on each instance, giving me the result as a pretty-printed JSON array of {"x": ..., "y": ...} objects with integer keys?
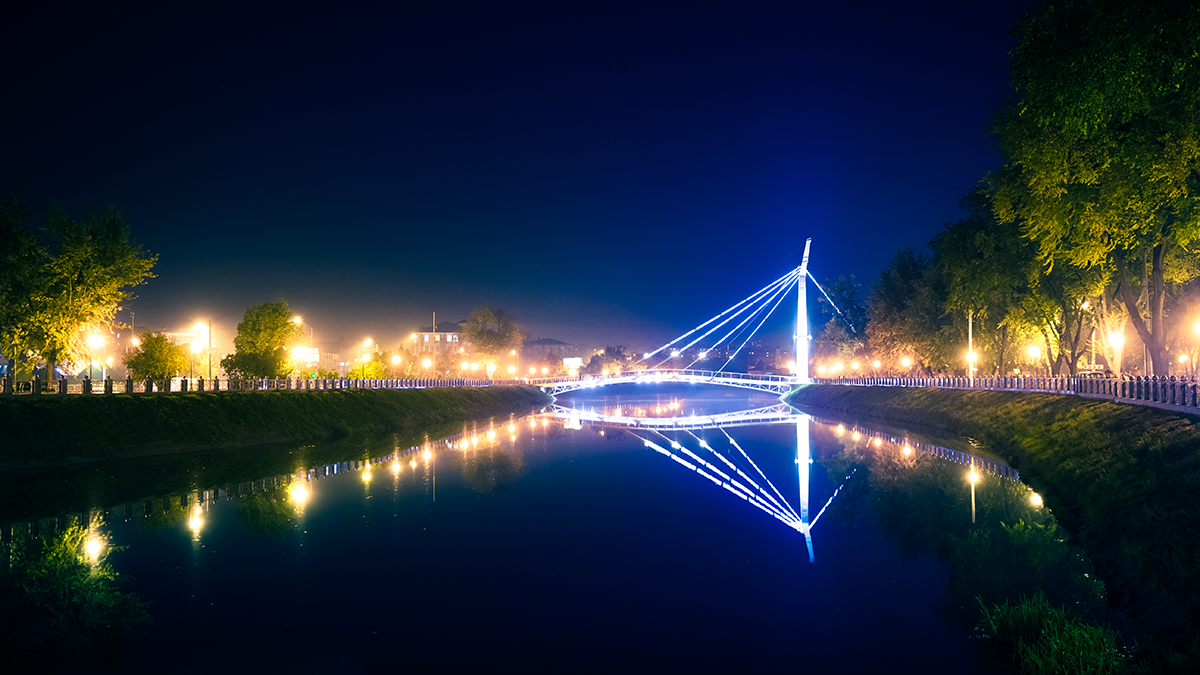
[
  {"x": 1123, "y": 479},
  {"x": 48, "y": 429}
]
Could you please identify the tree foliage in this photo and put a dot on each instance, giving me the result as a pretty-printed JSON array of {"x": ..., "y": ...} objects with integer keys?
[
  {"x": 59, "y": 608},
  {"x": 64, "y": 284},
  {"x": 156, "y": 357},
  {"x": 491, "y": 333},
  {"x": 1103, "y": 144},
  {"x": 263, "y": 339}
]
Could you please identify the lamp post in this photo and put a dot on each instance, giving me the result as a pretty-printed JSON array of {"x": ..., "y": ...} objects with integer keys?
[
  {"x": 93, "y": 341},
  {"x": 395, "y": 364},
  {"x": 192, "y": 361},
  {"x": 1034, "y": 352}
]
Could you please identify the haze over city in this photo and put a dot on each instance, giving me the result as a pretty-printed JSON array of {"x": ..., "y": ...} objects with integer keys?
[{"x": 609, "y": 174}]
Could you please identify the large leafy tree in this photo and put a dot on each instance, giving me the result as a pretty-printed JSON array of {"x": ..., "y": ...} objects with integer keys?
[
  {"x": 81, "y": 273},
  {"x": 21, "y": 260},
  {"x": 492, "y": 333},
  {"x": 156, "y": 357},
  {"x": 907, "y": 313},
  {"x": 1102, "y": 143},
  {"x": 263, "y": 339},
  {"x": 845, "y": 332}
]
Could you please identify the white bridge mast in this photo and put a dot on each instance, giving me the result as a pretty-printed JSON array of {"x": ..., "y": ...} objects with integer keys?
[{"x": 801, "y": 351}]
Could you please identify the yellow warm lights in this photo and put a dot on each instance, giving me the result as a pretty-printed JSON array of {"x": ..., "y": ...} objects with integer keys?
[
  {"x": 907, "y": 451},
  {"x": 93, "y": 547},
  {"x": 1033, "y": 351},
  {"x": 366, "y": 475},
  {"x": 426, "y": 455},
  {"x": 905, "y": 361},
  {"x": 878, "y": 442},
  {"x": 876, "y": 363},
  {"x": 427, "y": 363},
  {"x": 298, "y": 493},
  {"x": 196, "y": 522},
  {"x": 1035, "y": 499},
  {"x": 973, "y": 476}
]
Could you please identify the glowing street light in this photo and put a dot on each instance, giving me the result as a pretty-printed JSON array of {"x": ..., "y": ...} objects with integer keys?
[
  {"x": 1036, "y": 500},
  {"x": 905, "y": 361},
  {"x": 94, "y": 341}
]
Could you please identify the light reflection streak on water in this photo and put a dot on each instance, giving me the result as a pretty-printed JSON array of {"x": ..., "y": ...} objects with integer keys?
[{"x": 303, "y": 485}]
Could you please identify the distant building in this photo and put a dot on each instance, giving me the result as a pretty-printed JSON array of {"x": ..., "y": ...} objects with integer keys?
[
  {"x": 544, "y": 348},
  {"x": 442, "y": 338}
]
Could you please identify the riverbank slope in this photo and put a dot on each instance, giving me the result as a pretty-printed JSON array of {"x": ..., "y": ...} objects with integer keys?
[
  {"x": 1122, "y": 479},
  {"x": 51, "y": 429}
]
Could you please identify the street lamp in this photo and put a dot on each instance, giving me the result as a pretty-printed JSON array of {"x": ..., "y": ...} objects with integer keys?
[
  {"x": 207, "y": 328},
  {"x": 192, "y": 362},
  {"x": 1034, "y": 353},
  {"x": 427, "y": 363},
  {"x": 395, "y": 363},
  {"x": 94, "y": 341}
]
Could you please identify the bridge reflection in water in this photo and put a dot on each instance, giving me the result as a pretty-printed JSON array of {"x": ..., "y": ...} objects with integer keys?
[
  {"x": 726, "y": 464},
  {"x": 737, "y": 473}
]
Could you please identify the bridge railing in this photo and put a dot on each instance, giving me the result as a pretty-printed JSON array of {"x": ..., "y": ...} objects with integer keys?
[
  {"x": 664, "y": 373},
  {"x": 1152, "y": 390},
  {"x": 109, "y": 386}
]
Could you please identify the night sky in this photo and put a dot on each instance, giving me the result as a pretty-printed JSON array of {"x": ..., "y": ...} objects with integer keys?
[{"x": 608, "y": 173}]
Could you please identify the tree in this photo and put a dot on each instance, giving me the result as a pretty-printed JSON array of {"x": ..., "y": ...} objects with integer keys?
[
  {"x": 21, "y": 258},
  {"x": 491, "y": 333},
  {"x": 263, "y": 338},
  {"x": 70, "y": 286},
  {"x": 156, "y": 358},
  {"x": 845, "y": 334},
  {"x": 60, "y": 607},
  {"x": 1103, "y": 145},
  {"x": 907, "y": 313},
  {"x": 612, "y": 358}
]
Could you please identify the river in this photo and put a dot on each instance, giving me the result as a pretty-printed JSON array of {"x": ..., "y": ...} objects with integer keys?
[{"x": 556, "y": 542}]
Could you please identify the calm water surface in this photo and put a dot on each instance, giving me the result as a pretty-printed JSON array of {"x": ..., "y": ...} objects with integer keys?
[{"x": 569, "y": 545}]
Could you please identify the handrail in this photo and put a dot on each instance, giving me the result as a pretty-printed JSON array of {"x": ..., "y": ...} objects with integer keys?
[
  {"x": 109, "y": 386},
  {"x": 1172, "y": 392}
]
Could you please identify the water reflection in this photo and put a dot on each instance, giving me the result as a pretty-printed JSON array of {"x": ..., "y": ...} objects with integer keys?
[{"x": 999, "y": 540}]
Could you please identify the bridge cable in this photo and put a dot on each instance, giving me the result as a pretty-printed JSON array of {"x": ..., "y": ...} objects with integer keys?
[
  {"x": 766, "y": 289},
  {"x": 835, "y": 307},
  {"x": 752, "y": 333},
  {"x": 782, "y": 288},
  {"x": 701, "y": 471},
  {"x": 760, "y": 472},
  {"x": 704, "y": 444}
]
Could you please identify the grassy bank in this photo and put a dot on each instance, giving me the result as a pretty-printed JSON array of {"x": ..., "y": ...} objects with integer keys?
[
  {"x": 1121, "y": 478},
  {"x": 55, "y": 429}
]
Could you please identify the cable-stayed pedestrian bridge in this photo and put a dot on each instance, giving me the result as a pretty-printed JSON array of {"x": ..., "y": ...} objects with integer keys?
[
  {"x": 726, "y": 334},
  {"x": 774, "y": 384}
]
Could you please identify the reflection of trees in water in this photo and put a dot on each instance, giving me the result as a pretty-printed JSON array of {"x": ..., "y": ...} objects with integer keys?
[
  {"x": 923, "y": 504},
  {"x": 267, "y": 514},
  {"x": 60, "y": 608},
  {"x": 486, "y": 469},
  {"x": 163, "y": 516}
]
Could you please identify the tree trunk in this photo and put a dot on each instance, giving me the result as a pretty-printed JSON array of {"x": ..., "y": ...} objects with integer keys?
[{"x": 1155, "y": 293}]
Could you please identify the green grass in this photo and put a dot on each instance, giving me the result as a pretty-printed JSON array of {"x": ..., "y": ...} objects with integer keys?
[
  {"x": 49, "y": 428},
  {"x": 1122, "y": 479},
  {"x": 1042, "y": 640}
]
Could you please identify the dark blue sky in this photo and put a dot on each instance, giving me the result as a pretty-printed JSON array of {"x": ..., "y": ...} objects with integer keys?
[{"x": 609, "y": 173}]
